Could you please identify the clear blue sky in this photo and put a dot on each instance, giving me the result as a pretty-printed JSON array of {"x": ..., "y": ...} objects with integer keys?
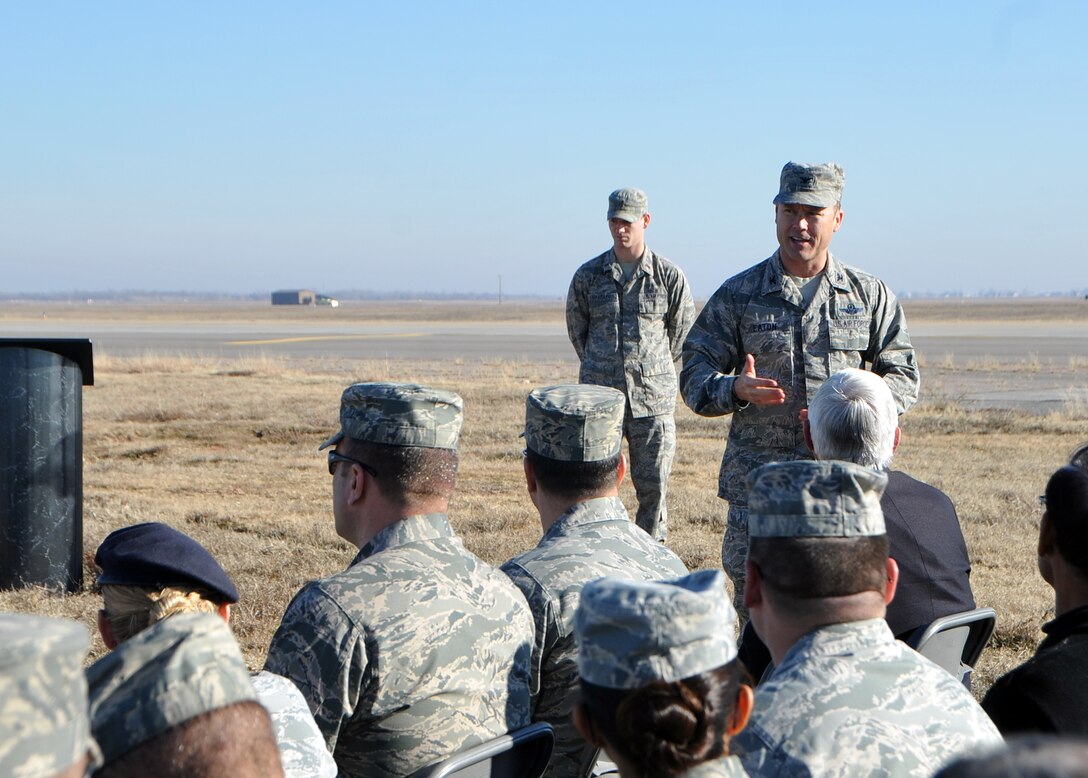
[{"x": 434, "y": 146}]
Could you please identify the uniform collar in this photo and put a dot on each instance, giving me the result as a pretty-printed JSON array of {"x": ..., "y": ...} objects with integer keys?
[
  {"x": 612, "y": 265},
  {"x": 832, "y": 639},
  {"x": 593, "y": 511},
  {"x": 775, "y": 273},
  {"x": 411, "y": 529}
]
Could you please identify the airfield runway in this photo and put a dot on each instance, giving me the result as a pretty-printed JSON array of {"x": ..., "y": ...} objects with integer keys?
[
  {"x": 485, "y": 340},
  {"x": 1054, "y": 359}
]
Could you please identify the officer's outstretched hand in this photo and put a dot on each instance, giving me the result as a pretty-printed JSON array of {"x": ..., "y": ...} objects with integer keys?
[{"x": 755, "y": 390}]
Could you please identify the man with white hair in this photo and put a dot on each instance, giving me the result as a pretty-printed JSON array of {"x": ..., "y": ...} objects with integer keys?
[{"x": 853, "y": 418}]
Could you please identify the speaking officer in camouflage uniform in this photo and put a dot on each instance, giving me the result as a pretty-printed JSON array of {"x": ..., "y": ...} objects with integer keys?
[
  {"x": 628, "y": 311},
  {"x": 845, "y": 697},
  {"x": 418, "y": 649},
  {"x": 573, "y": 468},
  {"x": 44, "y": 729},
  {"x": 770, "y": 336}
]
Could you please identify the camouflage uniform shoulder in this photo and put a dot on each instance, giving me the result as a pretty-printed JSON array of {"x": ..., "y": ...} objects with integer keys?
[
  {"x": 725, "y": 767},
  {"x": 857, "y": 671},
  {"x": 843, "y": 275},
  {"x": 585, "y": 536},
  {"x": 666, "y": 270},
  {"x": 664, "y": 264},
  {"x": 302, "y": 747},
  {"x": 596, "y": 264},
  {"x": 751, "y": 280},
  {"x": 593, "y": 539}
]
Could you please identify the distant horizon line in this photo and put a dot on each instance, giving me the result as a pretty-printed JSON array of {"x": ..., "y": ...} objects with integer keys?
[{"x": 356, "y": 295}]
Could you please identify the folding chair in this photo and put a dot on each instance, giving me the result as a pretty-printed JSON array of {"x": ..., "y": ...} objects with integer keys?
[
  {"x": 955, "y": 642},
  {"x": 523, "y": 753}
]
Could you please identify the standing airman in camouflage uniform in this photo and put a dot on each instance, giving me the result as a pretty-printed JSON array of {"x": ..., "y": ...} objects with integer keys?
[
  {"x": 845, "y": 697},
  {"x": 44, "y": 729},
  {"x": 573, "y": 469},
  {"x": 628, "y": 311},
  {"x": 418, "y": 649},
  {"x": 770, "y": 336}
]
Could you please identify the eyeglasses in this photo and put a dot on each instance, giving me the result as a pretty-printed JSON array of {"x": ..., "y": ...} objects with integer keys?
[
  {"x": 1042, "y": 501},
  {"x": 335, "y": 456}
]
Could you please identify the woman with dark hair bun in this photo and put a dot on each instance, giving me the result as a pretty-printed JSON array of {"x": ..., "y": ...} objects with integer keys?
[{"x": 662, "y": 689}]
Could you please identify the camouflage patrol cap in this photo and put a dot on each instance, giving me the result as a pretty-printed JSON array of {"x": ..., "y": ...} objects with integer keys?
[
  {"x": 43, "y": 696},
  {"x": 574, "y": 423},
  {"x": 399, "y": 415},
  {"x": 628, "y": 204},
  {"x": 824, "y": 499},
  {"x": 175, "y": 670},
  {"x": 819, "y": 185},
  {"x": 630, "y": 633}
]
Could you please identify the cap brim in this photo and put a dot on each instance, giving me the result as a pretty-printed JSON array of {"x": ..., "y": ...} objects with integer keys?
[
  {"x": 332, "y": 441},
  {"x": 803, "y": 198},
  {"x": 627, "y": 216}
]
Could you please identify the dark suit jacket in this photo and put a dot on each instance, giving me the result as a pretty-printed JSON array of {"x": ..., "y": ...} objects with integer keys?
[{"x": 926, "y": 541}]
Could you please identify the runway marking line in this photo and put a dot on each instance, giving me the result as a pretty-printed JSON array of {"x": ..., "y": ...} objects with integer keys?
[{"x": 312, "y": 338}]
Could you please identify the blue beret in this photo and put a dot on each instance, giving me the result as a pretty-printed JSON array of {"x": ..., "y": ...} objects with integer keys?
[{"x": 154, "y": 554}]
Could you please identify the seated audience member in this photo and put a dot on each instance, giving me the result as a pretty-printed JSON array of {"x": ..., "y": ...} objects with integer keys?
[
  {"x": 1029, "y": 756},
  {"x": 44, "y": 731},
  {"x": 418, "y": 649},
  {"x": 1079, "y": 458},
  {"x": 1049, "y": 692},
  {"x": 853, "y": 418},
  {"x": 662, "y": 691},
  {"x": 573, "y": 469},
  {"x": 176, "y": 701},
  {"x": 152, "y": 571},
  {"x": 845, "y": 697}
]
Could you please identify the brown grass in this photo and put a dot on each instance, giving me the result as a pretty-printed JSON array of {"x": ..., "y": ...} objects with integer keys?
[{"x": 226, "y": 452}]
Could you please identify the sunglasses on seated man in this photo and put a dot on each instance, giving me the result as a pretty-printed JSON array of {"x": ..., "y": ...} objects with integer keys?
[{"x": 336, "y": 456}]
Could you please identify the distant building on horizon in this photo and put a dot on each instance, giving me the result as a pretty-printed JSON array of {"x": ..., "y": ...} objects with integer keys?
[
  {"x": 294, "y": 297},
  {"x": 303, "y": 297}
]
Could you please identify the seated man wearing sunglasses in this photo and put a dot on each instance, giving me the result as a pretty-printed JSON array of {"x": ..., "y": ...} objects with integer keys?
[{"x": 418, "y": 649}]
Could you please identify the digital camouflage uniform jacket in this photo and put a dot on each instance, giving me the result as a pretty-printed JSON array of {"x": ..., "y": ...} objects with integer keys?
[
  {"x": 849, "y": 699},
  {"x": 593, "y": 539},
  {"x": 414, "y": 652},
  {"x": 725, "y": 767},
  {"x": 302, "y": 747},
  {"x": 853, "y": 321},
  {"x": 629, "y": 335}
]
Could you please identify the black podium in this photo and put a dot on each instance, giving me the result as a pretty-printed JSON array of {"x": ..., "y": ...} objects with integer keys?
[{"x": 41, "y": 461}]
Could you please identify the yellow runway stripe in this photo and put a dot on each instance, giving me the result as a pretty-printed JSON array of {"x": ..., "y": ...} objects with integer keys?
[{"x": 313, "y": 338}]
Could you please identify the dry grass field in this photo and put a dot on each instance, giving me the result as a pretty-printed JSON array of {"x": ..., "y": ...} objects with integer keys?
[{"x": 227, "y": 452}]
